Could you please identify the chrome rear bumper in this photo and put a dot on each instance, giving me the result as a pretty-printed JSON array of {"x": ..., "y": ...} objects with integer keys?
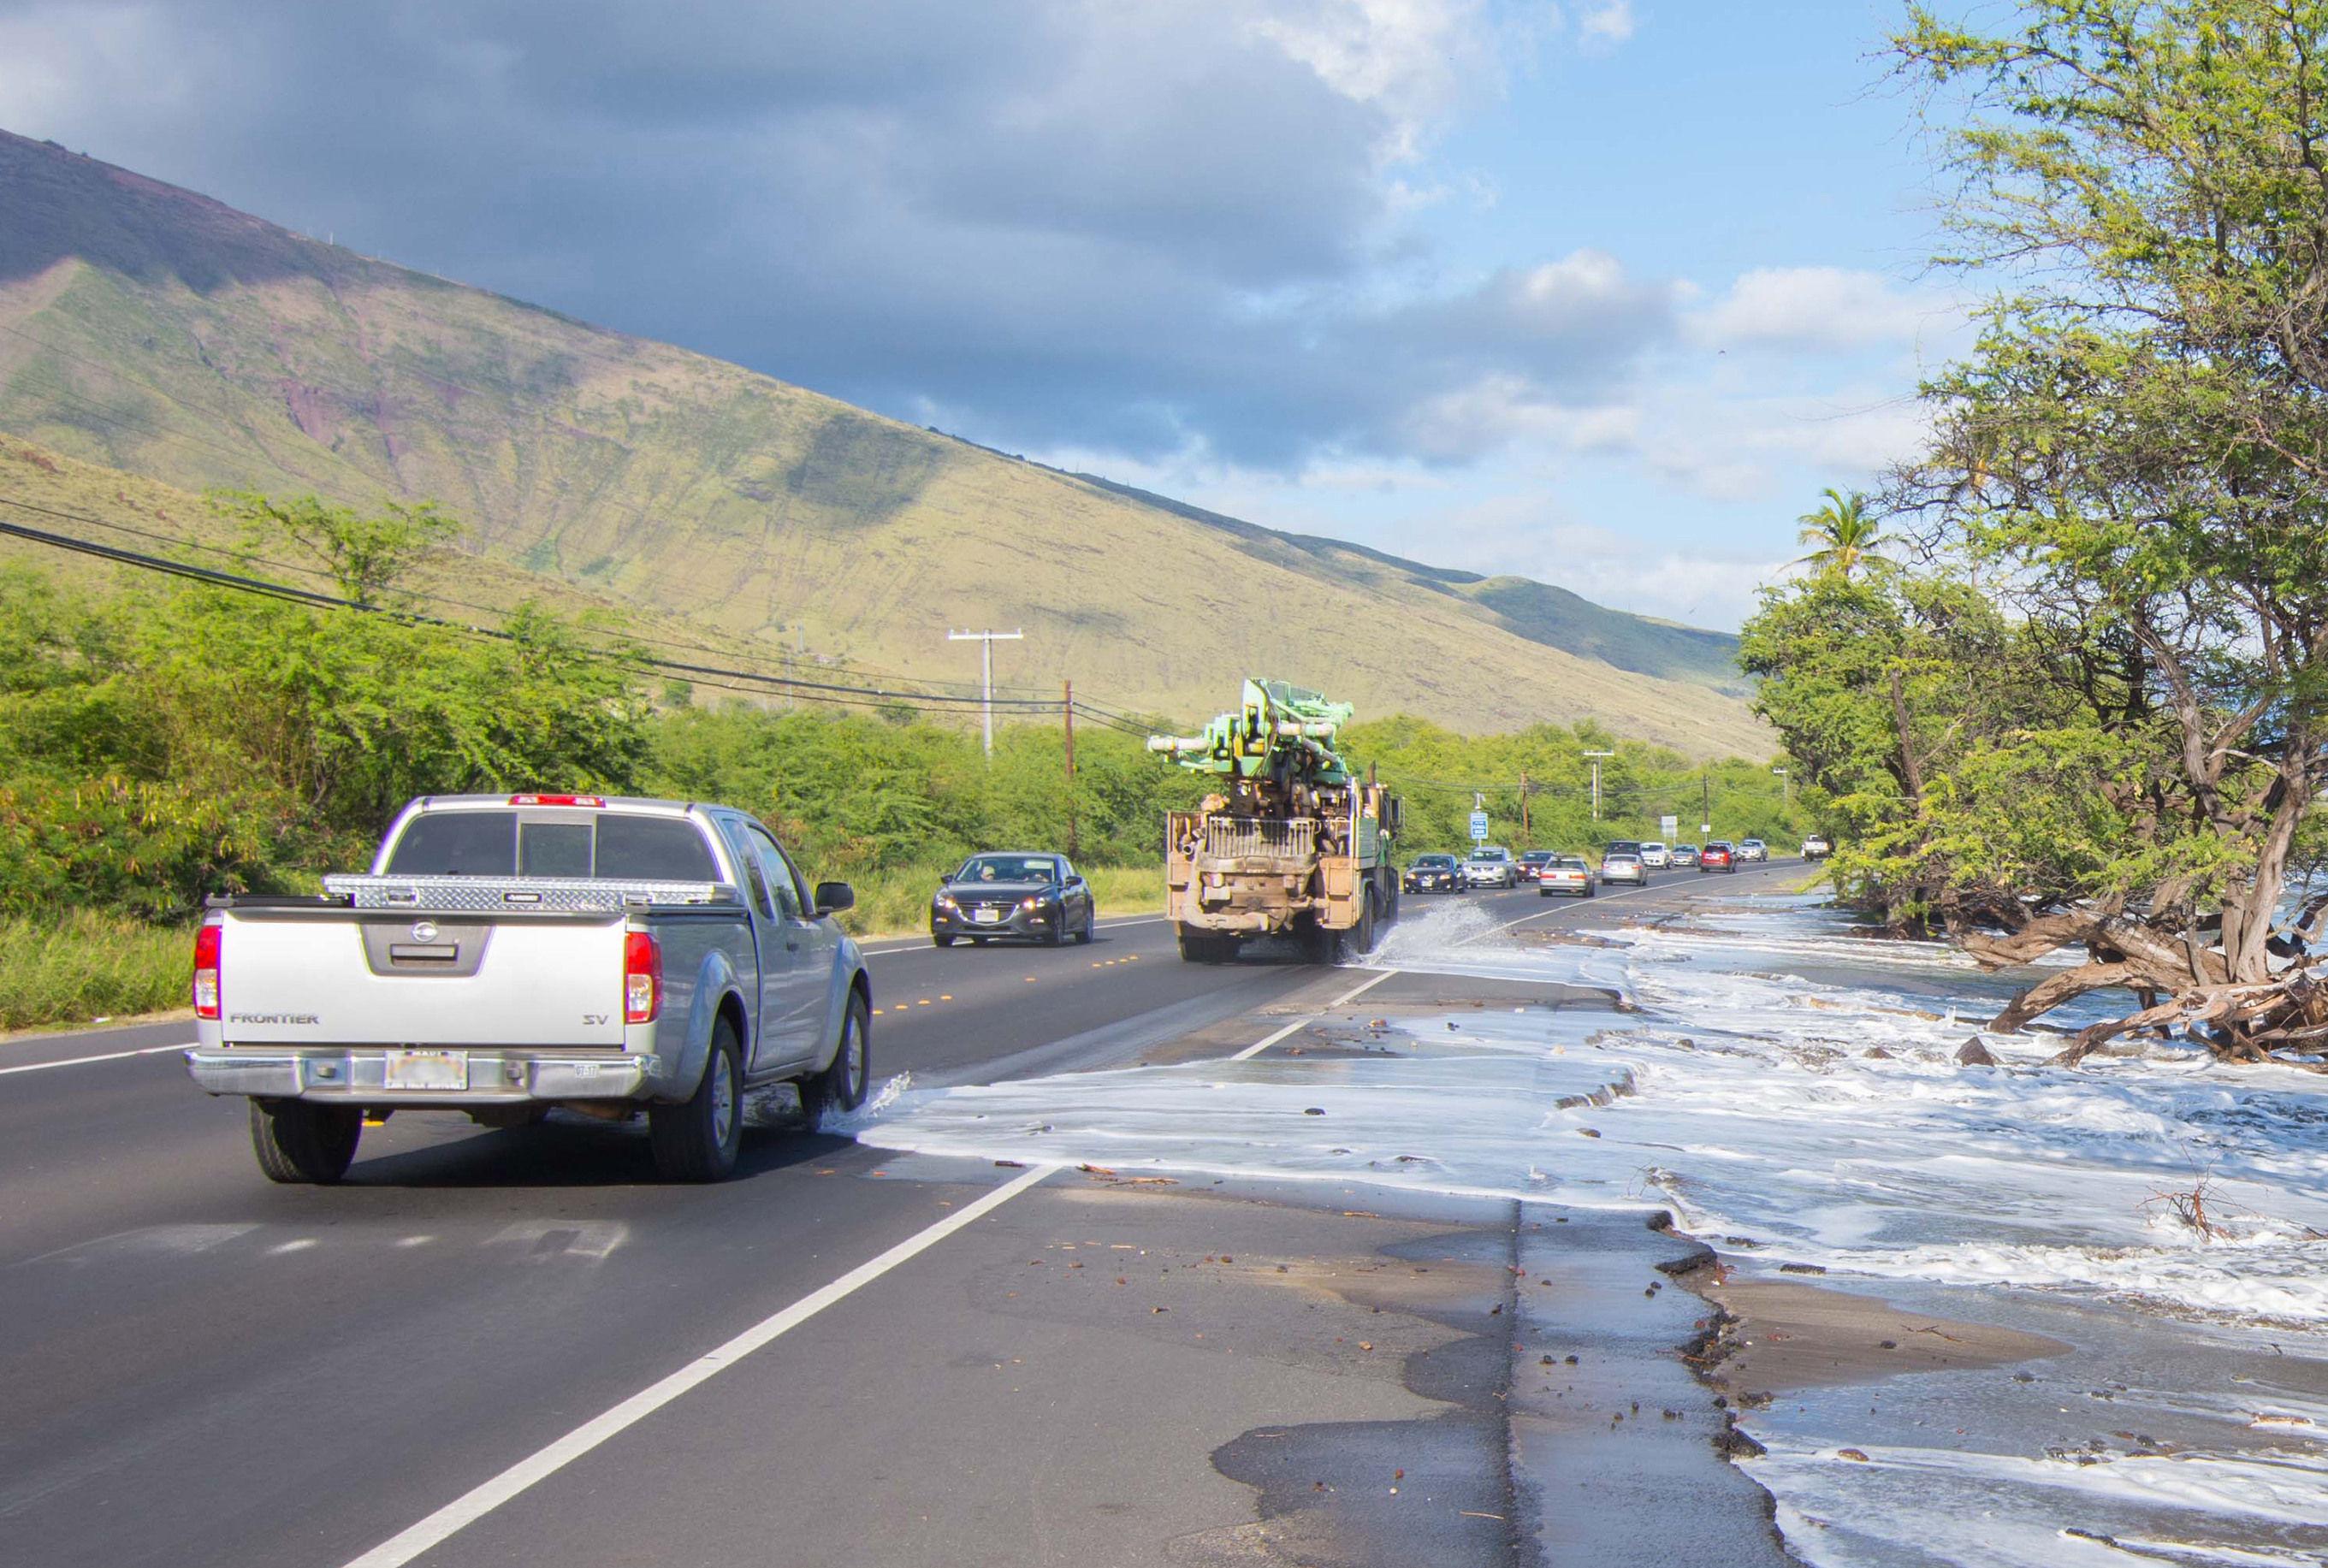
[{"x": 492, "y": 1078}]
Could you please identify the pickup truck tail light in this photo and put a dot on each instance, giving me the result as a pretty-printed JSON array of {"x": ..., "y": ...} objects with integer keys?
[
  {"x": 642, "y": 977},
  {"x": 206, "y": 971}
]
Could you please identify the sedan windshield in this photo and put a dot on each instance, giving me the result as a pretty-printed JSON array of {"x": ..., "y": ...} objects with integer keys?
[
  {"x": 1436, "y": 862},
  {"x": 1009, "y": 869}
]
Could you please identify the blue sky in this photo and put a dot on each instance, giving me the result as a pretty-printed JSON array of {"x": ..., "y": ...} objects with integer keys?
[
  {"x": 1601, "y": 292},
  {"x": 1713, "y": 143}
]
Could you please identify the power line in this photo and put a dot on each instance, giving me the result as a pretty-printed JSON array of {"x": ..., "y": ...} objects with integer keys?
[{"x": 235, "y": 581}]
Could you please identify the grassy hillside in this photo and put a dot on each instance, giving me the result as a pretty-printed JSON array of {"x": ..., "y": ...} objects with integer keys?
[
  {"x": 147, "y": 329},
  {"x": 1538, "y": 612}
]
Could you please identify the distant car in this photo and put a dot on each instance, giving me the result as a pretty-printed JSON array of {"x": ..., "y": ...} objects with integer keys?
[
  {"x": 1717, "y": 856},
  {"x": 1817, "y": 848},
  {"x": 1034, "y": 895},
  {"x": 1753, "y": 850},
  {"x": 1490, "y": 866},
  {"x": 1685, "y": 854},
  {"x": 1435, "y": 874},
  {"x": 1566, "y": 874},
  {"x": 1625, "y": 866},
  {"x": 1532, "y": 865},
  {"x": 1655, "y": 855}
]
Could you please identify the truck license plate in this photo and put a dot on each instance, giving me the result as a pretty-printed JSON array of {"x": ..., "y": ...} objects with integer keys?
[
  {"x": 986, "y": 916},
  {"x": 426, "y": 1070}
]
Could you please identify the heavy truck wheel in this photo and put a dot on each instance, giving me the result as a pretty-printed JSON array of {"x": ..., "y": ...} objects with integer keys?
[
  {"x": 1198, "y": 945},
  {"x": 297, "y": 1140},
  {"x": 1318, "y": 945},
  {"x": 699, "y": 1139}
]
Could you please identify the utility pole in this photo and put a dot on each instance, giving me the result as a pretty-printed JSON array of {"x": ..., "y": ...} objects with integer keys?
[
  {"x": 1067, "y": 713},
  {"x": 1785, "y": 790},
  {"x": 1704, "y": 805},
  {"x": 986, "y": 641},
  {"x": 1596, "y": 757},
  {"x": 1524, "y": 825}
]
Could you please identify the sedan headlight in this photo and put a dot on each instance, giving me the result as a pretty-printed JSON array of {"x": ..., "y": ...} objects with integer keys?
[{"x": 944, "y": 901}]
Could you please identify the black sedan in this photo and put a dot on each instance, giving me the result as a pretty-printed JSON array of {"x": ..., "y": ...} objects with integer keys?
[
  {"x": 1435, "y": 874},
  {"x": 1037, "y": 896}
]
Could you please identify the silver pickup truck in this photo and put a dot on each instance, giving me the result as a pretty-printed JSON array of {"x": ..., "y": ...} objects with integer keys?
[{"x": 507, "y": 955}]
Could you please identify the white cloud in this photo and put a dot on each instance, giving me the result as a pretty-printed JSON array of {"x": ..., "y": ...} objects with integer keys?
[
  {"x": 1814, "y": 308},
  {"x": 1607, "y": 26},
  {"x": 1417, "y": 60}
]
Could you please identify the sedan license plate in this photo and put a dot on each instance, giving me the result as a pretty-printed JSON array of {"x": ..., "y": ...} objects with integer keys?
[
  {"x": 426, "y": 1070},
  {"x": 986, "y": 916}
]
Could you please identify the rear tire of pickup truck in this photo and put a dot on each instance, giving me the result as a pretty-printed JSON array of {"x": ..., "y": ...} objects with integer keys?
[
  {"x": 299, "y": 1142},
  {"x": 698, "y": 1140},
  {"x": 841, "y": 1087}
]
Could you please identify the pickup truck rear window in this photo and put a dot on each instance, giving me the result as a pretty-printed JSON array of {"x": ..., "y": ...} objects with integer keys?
[{"x": 611, "y": 847}]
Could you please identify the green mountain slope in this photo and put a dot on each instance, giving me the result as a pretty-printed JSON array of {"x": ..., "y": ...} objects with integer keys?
[
  {"x": 148, "y": 329},
  {"x": 1539, "y": 612}
]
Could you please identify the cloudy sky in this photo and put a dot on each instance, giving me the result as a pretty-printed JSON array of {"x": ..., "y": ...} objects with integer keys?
[{"x": 1601, "y": 292}]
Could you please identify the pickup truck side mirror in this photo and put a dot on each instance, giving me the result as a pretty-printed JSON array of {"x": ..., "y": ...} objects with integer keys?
[{"x": 833, "y": 898}]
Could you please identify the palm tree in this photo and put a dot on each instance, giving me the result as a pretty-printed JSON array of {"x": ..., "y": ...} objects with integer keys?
[{"x": 1846, "y": 531}]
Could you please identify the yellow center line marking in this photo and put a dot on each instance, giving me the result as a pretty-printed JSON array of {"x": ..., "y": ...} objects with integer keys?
[
  {"x": 945, "y": 996},
  {"x": 922, "y": 1001},
  {"x": 1030, "y": 980}
]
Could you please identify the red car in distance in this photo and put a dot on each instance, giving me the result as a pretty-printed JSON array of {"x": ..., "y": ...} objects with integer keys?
[{"x": 1717, "y": 856}]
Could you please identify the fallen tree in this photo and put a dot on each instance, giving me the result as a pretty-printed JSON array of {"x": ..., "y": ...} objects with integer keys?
[{"x": 2098, "y": 721}]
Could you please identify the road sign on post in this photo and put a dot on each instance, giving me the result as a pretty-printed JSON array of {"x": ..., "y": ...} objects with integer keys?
[
  {"x": 1478, "y": 826},
  {"x": 1669, "y": 828}
]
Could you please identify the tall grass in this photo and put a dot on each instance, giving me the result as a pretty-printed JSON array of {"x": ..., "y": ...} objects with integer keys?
[
  {"x": 79, "y": 965},
  {"x": 897, "y": 902}
]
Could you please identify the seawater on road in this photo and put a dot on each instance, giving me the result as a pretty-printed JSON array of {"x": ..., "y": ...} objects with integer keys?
[
  {"x": 200, "y": 1363},
  {"x": 1790, "y": 1090},
  {"x": 206, "y": 1368}
]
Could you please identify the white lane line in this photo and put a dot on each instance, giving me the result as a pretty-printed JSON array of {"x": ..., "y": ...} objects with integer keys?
[
  {"x": 529, "y": 1471},
  {"x": 917, "y": 945},
  {"x": 108, "y": 1057},
  {"x": 1350, "y": 995}
]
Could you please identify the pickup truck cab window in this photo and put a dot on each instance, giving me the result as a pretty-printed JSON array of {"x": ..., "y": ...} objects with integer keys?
[
  {"x": 607, "y": 846},
  {"x": 800, "y": 883},
  {"x": 553, "y": 849},
  {"x": 779, "y": 873},
  {"x": 748, "y": 866}
]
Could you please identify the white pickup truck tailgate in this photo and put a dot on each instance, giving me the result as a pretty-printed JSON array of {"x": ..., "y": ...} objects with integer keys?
[{"x": 309, "y": 981}]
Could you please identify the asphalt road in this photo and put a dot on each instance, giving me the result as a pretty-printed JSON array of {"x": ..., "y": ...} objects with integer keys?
[{"x": 200, "y": 1367}]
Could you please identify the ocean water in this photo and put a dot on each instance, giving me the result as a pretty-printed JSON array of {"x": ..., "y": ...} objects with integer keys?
[{"x": 1789, "y": 1089}]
